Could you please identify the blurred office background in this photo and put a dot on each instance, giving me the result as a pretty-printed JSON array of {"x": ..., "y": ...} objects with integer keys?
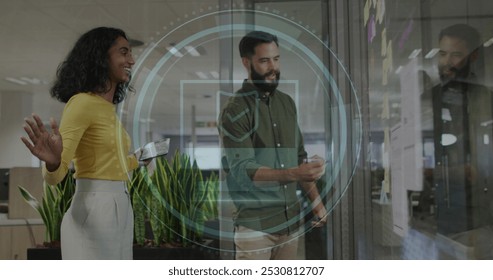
[{"x": 356, "y": 70}]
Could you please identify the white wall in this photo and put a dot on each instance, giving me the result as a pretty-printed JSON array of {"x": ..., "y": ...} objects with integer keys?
[{"x": 14, "y": 107}]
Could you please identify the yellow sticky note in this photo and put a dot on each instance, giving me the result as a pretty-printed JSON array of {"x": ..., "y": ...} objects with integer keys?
[
  {"x": 380, "y": 11},
  {"x": 386, "y": 184},
  {"x": 384, "y": 42},
  {"x": 385, "y": 106},
  {"x": 387, "y": 64},
  {"x": 366, "y": 12},
  {"x": 390, "y": 54},
  {"x": 385, "y": 71}
]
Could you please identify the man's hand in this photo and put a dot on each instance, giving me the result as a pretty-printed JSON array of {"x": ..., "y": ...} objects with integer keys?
[
  {"x": 320, "y": 215},
  {"x": 311, "y": 170}
]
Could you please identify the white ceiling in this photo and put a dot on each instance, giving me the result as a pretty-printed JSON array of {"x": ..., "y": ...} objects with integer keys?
[{"x": 36, "y": 36}]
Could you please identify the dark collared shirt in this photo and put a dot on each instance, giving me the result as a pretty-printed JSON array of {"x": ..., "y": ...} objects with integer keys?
[
  {"x": 261, "y": 130},
  {"x": 462, "y": 173}
]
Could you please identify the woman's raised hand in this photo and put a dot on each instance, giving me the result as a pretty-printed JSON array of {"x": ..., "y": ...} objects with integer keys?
[{"x": 44, "y": 145}]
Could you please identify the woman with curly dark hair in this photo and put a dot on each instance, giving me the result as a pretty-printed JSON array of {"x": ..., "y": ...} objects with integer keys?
[{"x": 93, "y": 78}]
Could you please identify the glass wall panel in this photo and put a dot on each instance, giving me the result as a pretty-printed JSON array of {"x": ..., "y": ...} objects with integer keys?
[{"x": 430, "y": 110}]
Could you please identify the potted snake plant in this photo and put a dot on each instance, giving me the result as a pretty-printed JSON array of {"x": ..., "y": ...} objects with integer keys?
[
  {"x": 52, "y": 206},
  {"x": 171, "y": 207}
]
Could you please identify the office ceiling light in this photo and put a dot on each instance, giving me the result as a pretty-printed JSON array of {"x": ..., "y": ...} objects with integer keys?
[
  {"x": 486, "y": 123},
  {"x": 414, "y": 53},
  {"x": 215, "y": 74},
  {"x": 432, "y": 53},
  {"x": 16, "y": 81},
  {"x": 201, "y": 75},
  {"x": 33, "y": 81},
  {"x": 488, "y": 43},
  {"x": 26, "y": 81},
  {"x": 192, "y": 51},
  {"x": 174, "y": 51}
]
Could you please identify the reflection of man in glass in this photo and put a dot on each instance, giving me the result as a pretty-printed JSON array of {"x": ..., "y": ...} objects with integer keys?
[
  {"x": 462, "y": 117},
  {"x": 265, "y": 157}
]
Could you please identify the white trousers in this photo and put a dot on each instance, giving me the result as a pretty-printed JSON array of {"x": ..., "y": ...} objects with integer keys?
[
  {"x": 257, "y": 245},
  {"x": 99, "y": 223}
]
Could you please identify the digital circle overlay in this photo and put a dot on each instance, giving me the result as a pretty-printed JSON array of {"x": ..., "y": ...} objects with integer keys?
[{"x": 335, "y": 99}]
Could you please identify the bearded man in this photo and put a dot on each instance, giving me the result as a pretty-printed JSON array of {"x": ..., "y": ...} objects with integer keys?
[
  {"x": 265, "y": 158},
  {"x": 463, "y": 144}
]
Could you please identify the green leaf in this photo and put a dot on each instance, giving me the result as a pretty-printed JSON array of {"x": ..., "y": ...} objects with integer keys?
[
  {"x": 31, "y": 200},
  {"x": 53, "y": 205},
  {"x": 178, "y": 199}
]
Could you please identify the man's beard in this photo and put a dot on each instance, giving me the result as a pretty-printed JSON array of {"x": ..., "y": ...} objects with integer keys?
[
  {"x": 259, "y": 80},
  {"x": 461, "y": 74}
]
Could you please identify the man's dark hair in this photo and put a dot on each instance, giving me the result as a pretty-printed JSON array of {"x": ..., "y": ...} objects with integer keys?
[
  {"x": 253, "y": 39},
  {"x": 464, "y": 32}
]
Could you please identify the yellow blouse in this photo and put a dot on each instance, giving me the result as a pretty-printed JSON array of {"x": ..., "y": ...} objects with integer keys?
[{"x": 93, "y": 137}]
